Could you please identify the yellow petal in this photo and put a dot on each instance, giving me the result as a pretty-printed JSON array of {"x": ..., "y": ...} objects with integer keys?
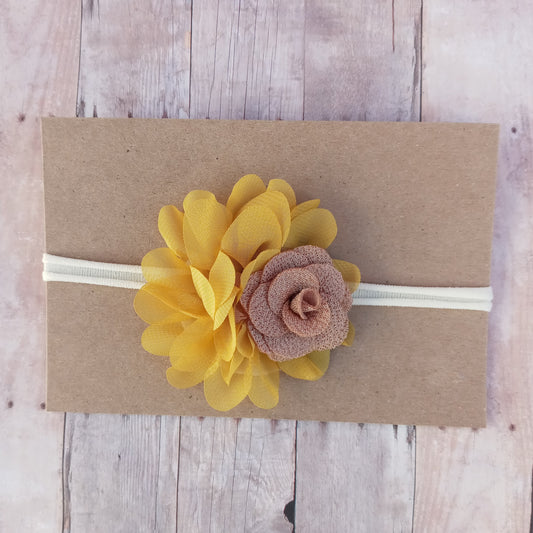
[
  {"x": 226, "y": 338},
  {"x": 348, "y": 341},
  {"x": 220, "y": 395},
  {"x": 257, "y": 264},
  {"x": 244, "y": 190},
  {"x": 228, "y": 368},
  {"x": 278, "y": 204},
  {"x": 158, "y": 338},
  {"x": 254, "y": 230},
  {"x": 184, "y": 380},
  {"x": 170, "y": 224},
  {"x": 283, "y": 187},
  {"x": 222, "y": 312},
  {"x": 245, "y": 345},
  {"x": 262, "y": 364},
  {"x": 222, "y": 278},
  {"x": 264, "y": 391},
  {"x": 194, "y": 348},
  {"x": 309, "y": 367},
  {"x": 303, "y": 207},
  {"x": 317, "y": 227},
  {"x": 204, "y": 290},
  {"x": 163, "y": 267},
  {"x": 204, "y": 224},
  {"x": 156, "y": 304},
  {"x": 350, "y": 273}
]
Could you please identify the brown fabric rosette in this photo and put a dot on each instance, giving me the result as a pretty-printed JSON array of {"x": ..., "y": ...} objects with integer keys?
[{"x": 297, "y": 304}]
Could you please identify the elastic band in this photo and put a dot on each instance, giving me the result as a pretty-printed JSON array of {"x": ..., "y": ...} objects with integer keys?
[
  {"x": 65, "y": 269},
  {"x": 471, "y": 298},
  {"x": 58, "y": 268}
]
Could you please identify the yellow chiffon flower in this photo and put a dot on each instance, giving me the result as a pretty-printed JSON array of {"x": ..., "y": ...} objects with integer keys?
[{"x": 193, "y": 286}]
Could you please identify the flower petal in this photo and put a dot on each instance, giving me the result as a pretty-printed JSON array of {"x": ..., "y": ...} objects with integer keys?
[
  {"x": 262, "y": 364},
  {"x": 261, "y": 315},
  {"x": 283, "y": 261},
  {"x": 222, "y": 278},
  {"x": 158, "y": 338},
  {"x": 244, "y": 190},
  {"x": 226, "y": 338},
  {"x": 170, "y": 223},
  {"x": 331, "y": 283},
  {"x": 194, "y": 349},
  {"x": 222, "y": 312},
  {"x": 228, "y": 368},
  {"x": 156, "y": 304},
  {"x": 164, "y": 267},
  {"x": 184, "y": 380},
  {"x": 255, "y": 229},
  {"x": 309, "y": 367},
  {"x": 350, "y": 273},
  {"x": 278, "y": 204},
  {"x": 223, "y": 397},
  {"x": 204, "y": 290},
  {"x": 316, "y": 226},
  {"x": 314, "y": 254},
  {"x": 204, "y": 225},
  {"x": 285, "y": 285},
  {"x": 283, "y": 187},
  {"x": 245, "y": 345},
  {"x": 303, "y": 207},
  {"x": 288, "y": 346},
  {"x": 264, "y": 392},
  {"x": 257, "y": 264}
]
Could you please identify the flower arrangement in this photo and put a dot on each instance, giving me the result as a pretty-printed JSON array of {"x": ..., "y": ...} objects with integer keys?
[{"x": 244, "y": 290}]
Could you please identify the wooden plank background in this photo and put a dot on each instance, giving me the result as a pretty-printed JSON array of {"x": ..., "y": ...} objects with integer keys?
[{"x": 437, "y": 60}]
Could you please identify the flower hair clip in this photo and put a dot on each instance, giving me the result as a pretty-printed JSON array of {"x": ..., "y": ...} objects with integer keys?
[{"x": 246, "y": 289}]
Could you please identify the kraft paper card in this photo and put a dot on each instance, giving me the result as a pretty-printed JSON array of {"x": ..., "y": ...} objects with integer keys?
[{"x": 413, "y": 204}]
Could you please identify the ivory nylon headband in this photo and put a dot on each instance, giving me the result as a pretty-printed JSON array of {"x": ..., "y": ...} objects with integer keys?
[{"x": 65, "y": 269}]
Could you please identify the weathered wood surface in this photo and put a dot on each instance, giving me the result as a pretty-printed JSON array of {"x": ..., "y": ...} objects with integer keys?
[
  {"x": 479, "y": 67},
  {"x": 39, "y": 51},
  {"x": 362, "y": 62},
  {"x": 246, "y": 62},
  {"x": 269, "y": 60},
  {"x": 120, "y": 473}
]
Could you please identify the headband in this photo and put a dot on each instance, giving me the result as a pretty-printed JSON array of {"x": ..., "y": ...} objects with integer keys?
[{"x": 246, "y": 289}]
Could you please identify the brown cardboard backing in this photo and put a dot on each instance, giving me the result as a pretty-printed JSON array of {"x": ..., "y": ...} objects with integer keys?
[{"x": 413, "y": 203}]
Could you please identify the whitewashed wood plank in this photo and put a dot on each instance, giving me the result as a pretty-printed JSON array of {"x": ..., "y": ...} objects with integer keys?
[
  {"x": 122, "y": 478},
  {"x": 135, "y": 59},
  {"x": 247, "y": 59},
  {"x": 354, "y": 477},
  {"x": 361, "y": 63},
  {"x": 235, "y": 475},
  {"x": 362, "y": 60},
  {"x": 121, "y": 472},
  {"x": 479, "y": 67},
  {"x": 247, "y": 62},
  {"x": 39, "y": 50}
]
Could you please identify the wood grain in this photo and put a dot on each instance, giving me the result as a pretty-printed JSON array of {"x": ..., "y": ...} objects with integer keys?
[
  {"x": 352, "y": 60},
  {"x": 39, "y": 51},
  {"x": 361, "y": 63},
  {"x": 135, "y": 59},
  {"x": 362, "y": 60},
  {"x": 120, "y": 473},
  {"x": 247, "y": 62},
  {"x": 247, "y": 59},
  {"x": 478, "y": 67},
  {"x": 120, "y": 477},
  {"x": 235, "y": 475},
  {"x": 354, "y": 477}
]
